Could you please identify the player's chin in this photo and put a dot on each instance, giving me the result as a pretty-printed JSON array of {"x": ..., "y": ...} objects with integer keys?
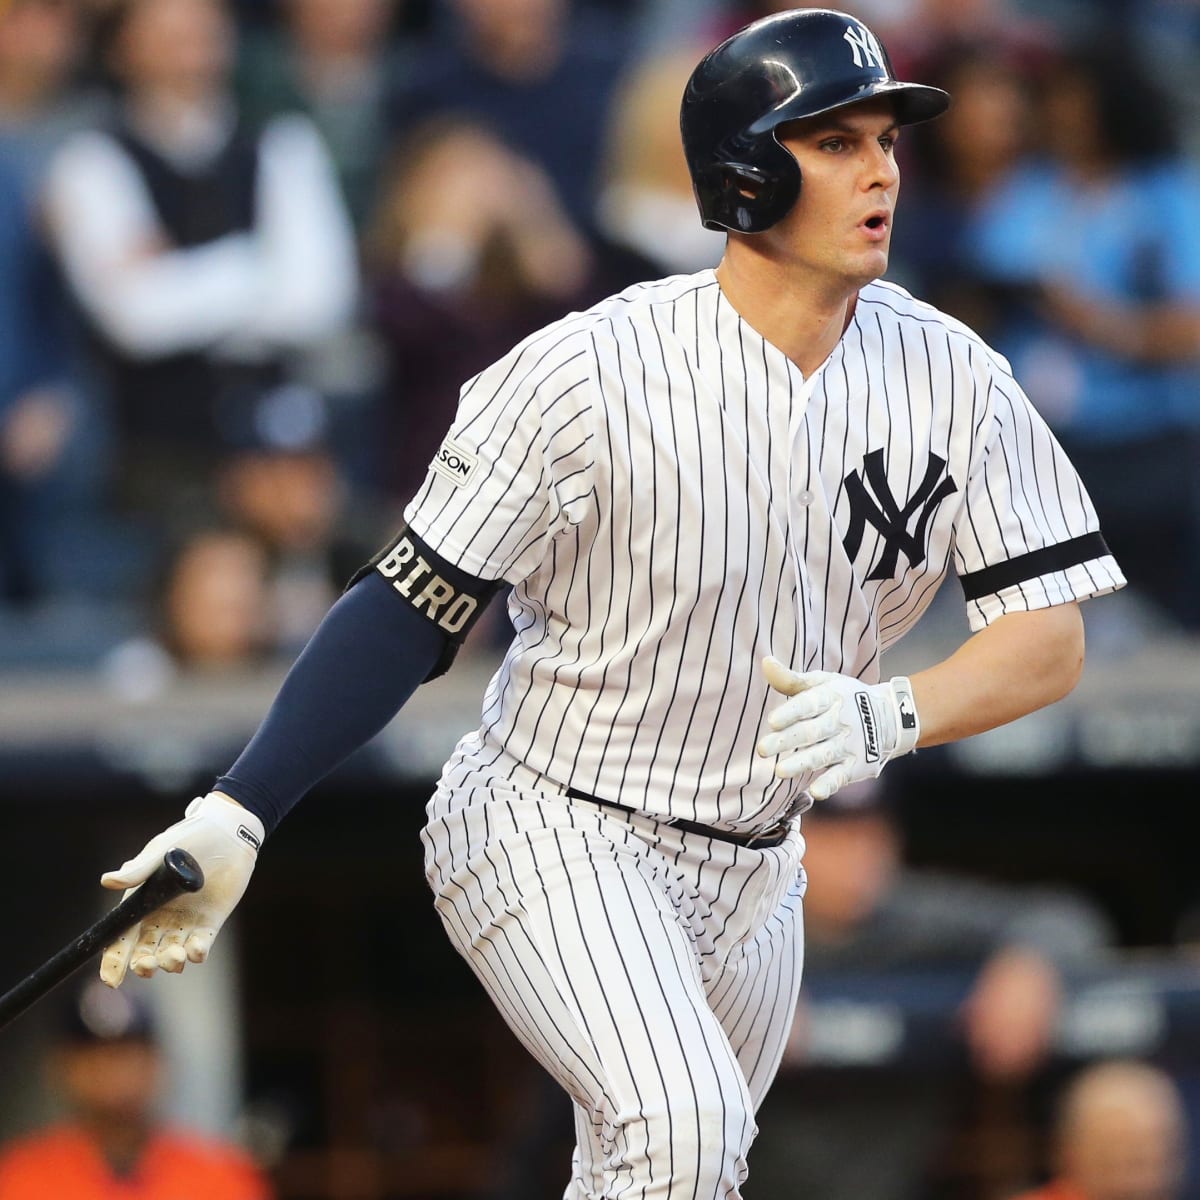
[{"x": 867, "y": 267}]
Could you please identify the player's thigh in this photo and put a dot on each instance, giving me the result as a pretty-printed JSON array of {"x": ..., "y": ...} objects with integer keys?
[
  {"x": 578, "y": 944},
  {"x": 754, "y": 997}
]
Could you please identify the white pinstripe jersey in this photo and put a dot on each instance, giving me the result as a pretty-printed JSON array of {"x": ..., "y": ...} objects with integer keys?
[{"x": 671, "y": 500}]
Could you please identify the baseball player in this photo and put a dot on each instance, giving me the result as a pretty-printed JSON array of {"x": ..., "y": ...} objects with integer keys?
[{"x": 713, "y": 501}]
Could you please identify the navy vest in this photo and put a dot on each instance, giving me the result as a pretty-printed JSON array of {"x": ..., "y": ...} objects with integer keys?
[{"x": 193, "y": 401}]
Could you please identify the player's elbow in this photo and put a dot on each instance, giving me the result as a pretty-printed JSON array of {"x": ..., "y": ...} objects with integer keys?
[{"x": 1063, "y": 651}]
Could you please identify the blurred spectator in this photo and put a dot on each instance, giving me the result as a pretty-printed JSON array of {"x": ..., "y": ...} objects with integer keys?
[
  {"x": 48, "y": 455},
  {"x": 252, "y": 583},
  {"x": 106, "y": 1068},
  {"x": 539, "y": 73},
  {"x": 37, "y": 408},
  {"x": 212, "y": 615},
  {"x": 835, "y": 1134},
  {"x": 334, "y": 60},
  {"x": 41, "y": 42},
  {"x": 471, "y": 250},
  {"x": 1119, "y": 1134},
  {"x": 645, "y": 204},
  {"x": 1095, "y": 248},
  {"x": 292, "y": 498},
  {"x": 953, "y": 165},
  {"x": 215, "y": 600},
  {"x": 205, "y": 255}
]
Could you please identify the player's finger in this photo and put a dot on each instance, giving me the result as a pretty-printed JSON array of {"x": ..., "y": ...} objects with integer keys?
[
  {"x": 114, "y": 962},
  {"x": 802, "y": 733},
  {"x": 199, "y": 943},
  {"x": 134, "y": 871},
  {"x": 781, "y": 678},
  {"x": 812, "y": 758},
  {"x": 831, "y": 781},
  {"x": 804, "y": 707},
  {"x": 143, "y": 960},
  {"x": 171, "y": 955}
]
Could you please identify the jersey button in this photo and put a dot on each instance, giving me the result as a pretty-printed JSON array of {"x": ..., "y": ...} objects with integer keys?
[{"x": 806, "y": 497}]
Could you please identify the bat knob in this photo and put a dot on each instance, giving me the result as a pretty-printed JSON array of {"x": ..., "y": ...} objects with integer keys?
[{"x": 186, "y": 871}]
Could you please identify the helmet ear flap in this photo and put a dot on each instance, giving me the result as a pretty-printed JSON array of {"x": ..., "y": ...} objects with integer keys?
[{"x": 746, "y": 198}]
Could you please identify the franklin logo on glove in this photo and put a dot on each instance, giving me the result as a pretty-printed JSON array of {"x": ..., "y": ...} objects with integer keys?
[
  {"x": 248, "y": 837},
  {"x": 871, "y": 739}
]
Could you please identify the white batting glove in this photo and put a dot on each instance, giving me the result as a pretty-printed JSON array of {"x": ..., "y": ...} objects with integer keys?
[
  {"x": 837, "y": 727},
  {"x": 224, "y": 838}
]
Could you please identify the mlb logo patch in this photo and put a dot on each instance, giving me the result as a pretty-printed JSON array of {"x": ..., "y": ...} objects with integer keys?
[{"x": 454, "y": 463}]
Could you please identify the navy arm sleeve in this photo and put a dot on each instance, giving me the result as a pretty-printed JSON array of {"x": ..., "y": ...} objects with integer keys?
[{"x": 366, "y": 658}]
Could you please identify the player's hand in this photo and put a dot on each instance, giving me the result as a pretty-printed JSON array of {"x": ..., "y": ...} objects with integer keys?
[
  {"x": 836, "y": 728},
  {"x": 224, "y": 839}
]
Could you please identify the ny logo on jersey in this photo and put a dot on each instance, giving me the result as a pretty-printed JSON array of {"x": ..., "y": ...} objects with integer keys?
[
  {"x": 885, "y": 513},
  {"x": 864, "y": 46}
]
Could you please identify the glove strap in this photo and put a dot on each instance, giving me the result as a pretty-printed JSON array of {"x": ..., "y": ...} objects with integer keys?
[
  {"x": 238, "y": 822},
  {"x": 908, "y": 724}
]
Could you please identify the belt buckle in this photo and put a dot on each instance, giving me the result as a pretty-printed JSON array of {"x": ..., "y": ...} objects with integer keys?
[{"x": 802, "y": 803}]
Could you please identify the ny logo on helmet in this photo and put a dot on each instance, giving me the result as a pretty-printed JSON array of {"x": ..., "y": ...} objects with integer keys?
[
  {"x": 864, "y": 46},
  {"x": 885, "y": 513}
]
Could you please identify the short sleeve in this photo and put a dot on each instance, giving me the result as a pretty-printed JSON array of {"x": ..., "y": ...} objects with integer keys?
[
  {"x": 517, "y": 465},
  {"x": 1027, "y": 535}
]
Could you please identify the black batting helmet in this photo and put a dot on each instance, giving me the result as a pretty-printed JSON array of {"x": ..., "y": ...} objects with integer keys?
[{"x": 793, "y": 64}]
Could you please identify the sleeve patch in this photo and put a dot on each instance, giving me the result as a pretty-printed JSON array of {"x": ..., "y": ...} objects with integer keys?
[{"x": 454, "y": 463}]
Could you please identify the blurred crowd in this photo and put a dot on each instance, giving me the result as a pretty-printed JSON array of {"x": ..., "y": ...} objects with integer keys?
[{"x": 250, "y": 251}]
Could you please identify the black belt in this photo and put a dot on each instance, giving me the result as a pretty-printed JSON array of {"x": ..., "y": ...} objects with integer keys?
[{"x": 773, "y": 835}]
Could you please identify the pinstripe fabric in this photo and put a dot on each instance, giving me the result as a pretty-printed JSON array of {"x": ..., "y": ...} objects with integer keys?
[
  {"x": 671, "y": 500},
  {"x": 654, "y": 973}
]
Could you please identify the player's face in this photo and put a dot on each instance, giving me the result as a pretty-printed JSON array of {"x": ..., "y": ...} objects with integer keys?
[{"x": 841, "y": 226}]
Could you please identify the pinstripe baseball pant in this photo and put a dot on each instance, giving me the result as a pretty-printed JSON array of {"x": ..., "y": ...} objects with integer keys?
[{"x": 653, "y": 973}]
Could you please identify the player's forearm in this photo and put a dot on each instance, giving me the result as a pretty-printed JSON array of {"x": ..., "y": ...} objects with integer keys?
[
  {"x": 369, "y": 654},
  {"x": 1018, "y": 664}
]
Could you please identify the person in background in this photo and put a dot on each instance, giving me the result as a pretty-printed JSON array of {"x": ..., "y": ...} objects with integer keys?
[
  {"x": 645, "y": 205},
  {"x": 1095, "y": 247},
  {"x": 49, "y": 441},
  {"x": 333, "y": 60},
  {"x": 955, "y": 165},
  {"x": 106, "y": 1068},
  {"x": 41, "y": 48},
  {"x": 470, "y": 250},
  {"x": 37, "y": 409},
  {"x": 540, "y": 74},
  {"x": 829, "y": 1133},
  {"x": 283, "y": 485},
  {"x": 205, "y": 255},
  {"x": 1119, "y": 1134}
]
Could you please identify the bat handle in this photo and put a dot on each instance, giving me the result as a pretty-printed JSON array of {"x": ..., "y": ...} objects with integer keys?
[{"x": 178, "y": 873}]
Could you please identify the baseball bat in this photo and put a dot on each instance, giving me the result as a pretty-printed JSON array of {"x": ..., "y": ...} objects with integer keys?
[{"x": 178, "y": 873}]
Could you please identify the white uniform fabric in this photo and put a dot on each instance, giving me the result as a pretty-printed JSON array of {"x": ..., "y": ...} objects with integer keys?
[
  {"x": 672, "y": 501},
  {"x": 654, "y": 973}
]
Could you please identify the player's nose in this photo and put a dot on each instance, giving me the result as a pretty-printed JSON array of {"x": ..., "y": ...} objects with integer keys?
[{"x": 879, "y": 167}]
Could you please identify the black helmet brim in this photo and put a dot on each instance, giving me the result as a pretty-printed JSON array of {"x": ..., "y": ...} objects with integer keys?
[{"x": 914, "y": 103}]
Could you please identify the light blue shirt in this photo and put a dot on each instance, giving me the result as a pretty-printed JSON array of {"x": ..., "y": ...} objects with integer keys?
[{"x": 1136, "y": 238}]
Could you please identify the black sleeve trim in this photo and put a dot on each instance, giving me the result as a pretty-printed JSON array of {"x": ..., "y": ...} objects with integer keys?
[
  {"x": 448, "y": 597},
  {"x": 1012, "y": 571}
]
